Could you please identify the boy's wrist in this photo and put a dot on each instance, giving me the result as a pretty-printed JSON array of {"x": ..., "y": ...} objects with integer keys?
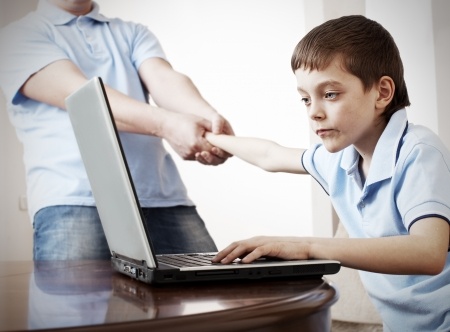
[{"x": 314, "y": 250}]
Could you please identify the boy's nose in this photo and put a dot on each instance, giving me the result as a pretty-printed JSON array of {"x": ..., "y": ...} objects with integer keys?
[{"x": 315, "y": 112}]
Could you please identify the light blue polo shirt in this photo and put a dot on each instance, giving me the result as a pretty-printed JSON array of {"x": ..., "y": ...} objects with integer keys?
[
  {"x": 408, "y": 180},
  {"x": 110, "y": 48}
]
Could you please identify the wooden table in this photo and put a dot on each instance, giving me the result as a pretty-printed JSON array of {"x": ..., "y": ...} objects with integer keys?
[{"x": 90, "y": 296}]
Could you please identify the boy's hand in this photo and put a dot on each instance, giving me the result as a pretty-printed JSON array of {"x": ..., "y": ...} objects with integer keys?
[
  {"x": 287, "y": 248},
  {"x": 215, "y": 156}
]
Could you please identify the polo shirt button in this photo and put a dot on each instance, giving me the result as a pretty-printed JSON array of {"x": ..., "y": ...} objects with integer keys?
[{"x": 363, "y": 205}]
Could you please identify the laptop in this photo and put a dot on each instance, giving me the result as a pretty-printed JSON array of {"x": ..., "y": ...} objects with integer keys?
[{"x": 121, "y": 216}]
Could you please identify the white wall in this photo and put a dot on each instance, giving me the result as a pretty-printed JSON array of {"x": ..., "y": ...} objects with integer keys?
[
  {"x": 238, "y": 54},
  {"x": 441, "y": 36},
  {"x": 15, "y": 228}
]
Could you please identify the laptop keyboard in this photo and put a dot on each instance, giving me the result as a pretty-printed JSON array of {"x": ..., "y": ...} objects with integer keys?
[{"x": 186, "y": 260}]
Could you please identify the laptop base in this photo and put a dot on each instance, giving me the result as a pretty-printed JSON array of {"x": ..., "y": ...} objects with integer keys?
[{"x": 166, "y": 274}]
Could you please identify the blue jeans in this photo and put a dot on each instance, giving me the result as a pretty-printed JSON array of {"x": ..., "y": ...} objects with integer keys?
[{"x": 75, "y": 232}]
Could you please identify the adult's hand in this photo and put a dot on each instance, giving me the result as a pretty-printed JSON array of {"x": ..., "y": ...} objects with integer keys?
[{"x": 215, "y": 156}]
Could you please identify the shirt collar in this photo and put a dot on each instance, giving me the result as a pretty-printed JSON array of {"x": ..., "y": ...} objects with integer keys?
[
  {"x": 58, "y": 16},
  {"x": 386, "y": 151}
]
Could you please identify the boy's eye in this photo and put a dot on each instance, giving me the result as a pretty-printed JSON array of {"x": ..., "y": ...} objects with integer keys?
[
  {"x": 331, "y": 95},
  {"x": 306, "y": 101}
]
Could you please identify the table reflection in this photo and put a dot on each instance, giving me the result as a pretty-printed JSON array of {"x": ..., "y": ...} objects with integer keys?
[
  {"x": 77, "y": 294},
  {"x": 65, "y": 294}
]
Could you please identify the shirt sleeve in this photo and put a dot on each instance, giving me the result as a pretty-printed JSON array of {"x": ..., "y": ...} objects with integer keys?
[
  {"x": 423, "y": 184},
  {"x": 26, "y": 47},
  {"x": 145, "y": 45},
  {"x": 312, "y": 160}
]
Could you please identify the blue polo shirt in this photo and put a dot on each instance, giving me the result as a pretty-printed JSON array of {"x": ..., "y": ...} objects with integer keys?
[
  {"x": 110, "y": 48},
  {"x": 408, "y": 180}
]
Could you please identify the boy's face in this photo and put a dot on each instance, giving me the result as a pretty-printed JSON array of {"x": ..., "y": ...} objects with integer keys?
[{"x": 340, "y": 112}]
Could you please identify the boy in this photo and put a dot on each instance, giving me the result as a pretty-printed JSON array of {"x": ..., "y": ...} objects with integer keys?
[{"x": 387, "y": 179}]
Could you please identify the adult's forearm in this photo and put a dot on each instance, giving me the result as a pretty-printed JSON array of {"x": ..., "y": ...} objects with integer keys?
[
  {"x": 173, "y": 90},
  {"x": 134, "y": 116},
  {"x": 53, "y": 83}
]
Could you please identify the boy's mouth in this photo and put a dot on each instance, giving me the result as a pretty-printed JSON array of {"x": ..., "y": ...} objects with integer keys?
[{"x": 323, "y": 132}]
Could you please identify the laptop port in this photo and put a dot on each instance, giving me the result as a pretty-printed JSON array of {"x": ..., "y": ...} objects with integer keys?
[{"x": 129, "y": 269}]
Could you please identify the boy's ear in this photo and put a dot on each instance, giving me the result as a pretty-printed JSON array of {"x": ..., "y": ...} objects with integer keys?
[{"x": 386, "y": 89}]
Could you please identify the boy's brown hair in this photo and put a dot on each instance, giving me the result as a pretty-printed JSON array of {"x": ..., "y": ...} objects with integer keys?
[{"x": 367, "y": 50}]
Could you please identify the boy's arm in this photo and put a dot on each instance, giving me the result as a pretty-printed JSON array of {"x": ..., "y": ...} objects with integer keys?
[
  {"x": 265, "y": 154},
  {"x": 423, "y": 251}
]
